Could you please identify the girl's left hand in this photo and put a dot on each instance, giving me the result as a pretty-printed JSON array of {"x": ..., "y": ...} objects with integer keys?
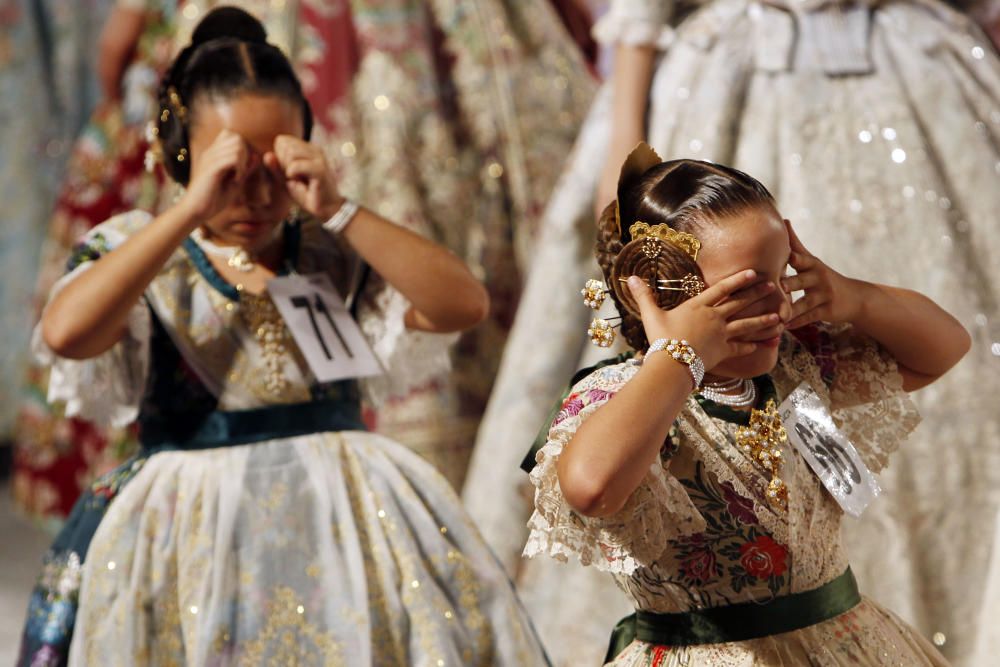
[
  {"x": 306, "y": 174},
  {"x": 829, "y": 296}
]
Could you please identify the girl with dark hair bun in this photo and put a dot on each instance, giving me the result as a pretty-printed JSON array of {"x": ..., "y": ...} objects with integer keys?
[
  {"x": 876, "y": 126},
  {"x": 260, "y": 523},
  {"x": 448, "y": 116},
  {"x": 711, "y": 472}
]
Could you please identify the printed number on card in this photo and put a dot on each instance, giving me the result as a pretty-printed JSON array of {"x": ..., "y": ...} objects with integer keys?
[
  {"x": 828, "y": 452},
  {"x": 323, "y": 327}
]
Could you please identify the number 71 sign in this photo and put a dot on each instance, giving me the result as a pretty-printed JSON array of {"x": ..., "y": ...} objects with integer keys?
[{"x": 323, "y": 328}]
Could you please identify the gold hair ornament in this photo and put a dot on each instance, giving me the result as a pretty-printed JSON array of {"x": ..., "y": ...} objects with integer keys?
[
  {"x": 602, "y": 331},
  {"x": 653, "y": 234},
  {"x": 175, "y": 101},
  {"x": 154, "y": 154},
  {"x": 690, "y": 284},
  {"x": 594, "y": 294}
]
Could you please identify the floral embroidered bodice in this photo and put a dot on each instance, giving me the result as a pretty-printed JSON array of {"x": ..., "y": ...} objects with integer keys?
[{"x": 699, "y": 531}]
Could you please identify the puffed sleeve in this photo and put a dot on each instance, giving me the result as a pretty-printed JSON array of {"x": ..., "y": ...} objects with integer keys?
[
  {"x": 410, "y": 359},
  {"x": 106, "y": 389},
  {"x": 658, "y": 510},
  {"x": 636, "y": 23},
  {"x": 866, "y": 396}
]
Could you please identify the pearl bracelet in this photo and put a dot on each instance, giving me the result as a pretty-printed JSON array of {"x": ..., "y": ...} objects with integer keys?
[
  {"x": 682, "y": 351},
  {"x": 339, "y": 220}
]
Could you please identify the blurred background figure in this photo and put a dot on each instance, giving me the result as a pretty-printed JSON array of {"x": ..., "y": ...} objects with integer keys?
[
  {"x": 876, "y": 125},
  {"x": 55, "y": 457}
]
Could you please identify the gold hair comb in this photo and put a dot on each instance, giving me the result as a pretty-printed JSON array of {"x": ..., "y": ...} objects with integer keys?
[{"x": 654, "y": 233}]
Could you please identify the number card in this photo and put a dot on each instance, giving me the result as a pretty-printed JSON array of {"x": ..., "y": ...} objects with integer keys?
[
  {"x": 323, "y": 327},
  {"x": 829, "y": 453}
]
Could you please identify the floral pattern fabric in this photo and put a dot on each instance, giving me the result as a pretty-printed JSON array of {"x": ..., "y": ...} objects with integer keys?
[
  {"x": 724, "y": 543},
  {"x": 57, "y": 456}
]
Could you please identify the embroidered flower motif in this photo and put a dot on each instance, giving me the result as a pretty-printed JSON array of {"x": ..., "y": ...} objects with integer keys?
[
  {"x": 700, "y": 566},
  {"x": 763, "y": 557},
  {"x": 739, "y": 507}
]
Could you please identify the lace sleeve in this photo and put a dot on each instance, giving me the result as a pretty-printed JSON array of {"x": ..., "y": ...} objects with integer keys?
[
  {"x": 410, "y": 359},
  {"x": 106, "y": 389},
  {"x": 658, "y": 510},
  {"x": 636, "y": 23},
  {"x": 865, "y": 388}
]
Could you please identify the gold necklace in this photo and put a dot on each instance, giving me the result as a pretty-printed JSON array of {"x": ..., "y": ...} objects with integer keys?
[
  {"x": 264, "y": 320},
  {"x": 762, "y": 440}
]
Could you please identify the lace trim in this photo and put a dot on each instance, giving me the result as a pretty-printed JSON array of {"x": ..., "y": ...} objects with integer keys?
[
  {"x": 411, "y": 359},
  {"x": 106, "y": 389},
  {"x": 865, "y": 397},
  {"x": 716, "y": 448},
  {"x": 635, "y": 536}
]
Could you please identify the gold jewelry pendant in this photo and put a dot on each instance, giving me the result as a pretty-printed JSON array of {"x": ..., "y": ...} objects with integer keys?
[{"x": 762, "y": 441}]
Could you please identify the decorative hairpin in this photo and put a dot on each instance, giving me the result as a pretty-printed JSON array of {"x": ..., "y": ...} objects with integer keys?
[
  {"x": 181, "y": 155},
  {"x": 594, "y": 293},
  {"x": 154, "y": 154},
  {"x": 662, "y": 232},
  {"x": 177, "y": 104},
  {"x": 602, "y": 332},
  {"x": 690, "y": 284}
]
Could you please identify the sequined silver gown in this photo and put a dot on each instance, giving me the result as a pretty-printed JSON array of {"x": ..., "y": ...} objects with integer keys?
[{"x": 877, "y": 127}]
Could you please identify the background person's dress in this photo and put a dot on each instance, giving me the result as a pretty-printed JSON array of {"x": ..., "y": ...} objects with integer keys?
[
  {"x": 55, "y": 457},
  {"x": 47, "y": 87},
  {"x": 877, "y": 128},
  {"x": 453, "y": 119}
]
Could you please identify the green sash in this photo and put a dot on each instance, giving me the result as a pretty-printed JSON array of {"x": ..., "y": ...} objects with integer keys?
[{"x": 738, "y": 622}]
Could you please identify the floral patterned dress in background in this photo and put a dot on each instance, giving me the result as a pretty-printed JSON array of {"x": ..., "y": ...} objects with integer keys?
[{"x": 56, "y": 457}]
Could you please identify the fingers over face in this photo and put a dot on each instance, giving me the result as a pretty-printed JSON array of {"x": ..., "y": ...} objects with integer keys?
[
  {"x": 756, "y": 324},
  {"x": 800, "y": 281},
  {"x": 727, "y": 286},
  {"x": 745, "y": 298},
  {"x": 794, "y": 240},
  {"x": 807, "y": 317}
]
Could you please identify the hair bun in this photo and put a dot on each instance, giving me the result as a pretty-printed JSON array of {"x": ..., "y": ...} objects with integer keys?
[{"x": 229, "y": 22}]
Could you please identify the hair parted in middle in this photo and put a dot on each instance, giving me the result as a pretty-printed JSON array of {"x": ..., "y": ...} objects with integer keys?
[
  {"x": 228, "y": 55},
  {"x": 688, "y": 197}
]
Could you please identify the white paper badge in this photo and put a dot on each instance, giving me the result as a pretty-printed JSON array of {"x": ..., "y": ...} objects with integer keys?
[
  {"x": 323, "y": 327},
  {"x": 829, "y": 453}
]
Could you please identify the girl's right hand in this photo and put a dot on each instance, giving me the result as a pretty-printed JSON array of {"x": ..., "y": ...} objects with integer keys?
[
  {"x": 217, "y": 176},
  {"x": 704, "y": 320}
]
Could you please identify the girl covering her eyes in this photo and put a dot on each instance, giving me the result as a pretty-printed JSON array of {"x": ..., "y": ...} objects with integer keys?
[
  {"x": 260, "y": 523},
  {"x": 674, "y": 471}
]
